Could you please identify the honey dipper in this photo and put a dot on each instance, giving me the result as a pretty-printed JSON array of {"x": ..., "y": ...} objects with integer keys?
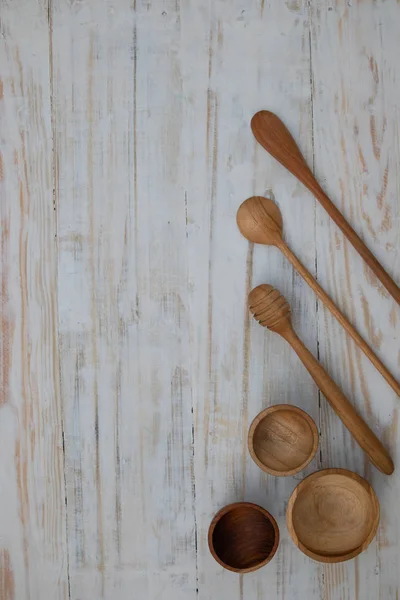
[{"x": 272, "y": 310}]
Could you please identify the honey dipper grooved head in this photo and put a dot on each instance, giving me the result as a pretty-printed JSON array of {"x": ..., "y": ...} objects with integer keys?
[{"x": 269, "y": 307}]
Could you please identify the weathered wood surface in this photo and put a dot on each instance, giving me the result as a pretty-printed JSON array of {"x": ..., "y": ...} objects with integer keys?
[{"x": 130, "y": 368}]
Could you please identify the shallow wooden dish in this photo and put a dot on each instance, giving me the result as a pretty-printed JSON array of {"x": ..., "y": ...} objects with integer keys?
[
  {"x": 333, "y": 515},
  {"x": 282, "y": 439},
  {"x": 243, "y": 537}
]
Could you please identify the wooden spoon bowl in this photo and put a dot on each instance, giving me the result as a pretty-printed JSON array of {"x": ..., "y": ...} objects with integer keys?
[
  {"x": 333, "y": 515},
  {"x": 282, "y": 440},
  {"x": 243, "y": 537},
  {"x": 260, "y": 221}
]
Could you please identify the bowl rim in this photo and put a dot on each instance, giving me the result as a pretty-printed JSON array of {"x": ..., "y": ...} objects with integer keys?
[
  {"x": 228, "y": 508},
  {"x": 261, "y": 416},
  {"x": 337, "y": 557}
]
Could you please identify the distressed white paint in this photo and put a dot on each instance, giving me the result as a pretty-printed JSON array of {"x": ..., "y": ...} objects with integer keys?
[
  {"x": 357, "y": 153},
  {"x": 125, "y": 336},
  {"x": 33, "y": 559}
]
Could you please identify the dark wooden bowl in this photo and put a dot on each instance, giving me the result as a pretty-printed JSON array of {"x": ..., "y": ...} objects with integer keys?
[
  {"x": 283, "y": 439},
  {"x": 243, "y": 537},
  {"x": 333, "y": 515}
]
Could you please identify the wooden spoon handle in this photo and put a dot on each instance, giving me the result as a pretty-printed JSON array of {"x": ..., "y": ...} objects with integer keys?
[
  {"x": 273, "y": 135},
  {"x": 359, "y": 245},
  {"x": 340, "y": 404},
  {"x": 300, "y": 268}
]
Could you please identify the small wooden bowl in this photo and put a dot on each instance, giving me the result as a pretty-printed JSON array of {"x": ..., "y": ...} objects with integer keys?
[
  {"x": 333, "y": 515},
  {"x": 243, "y": 537},
  {"x": 282, "y": 439}
]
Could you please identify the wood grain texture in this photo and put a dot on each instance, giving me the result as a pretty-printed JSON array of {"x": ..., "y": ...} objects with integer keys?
[
  {"x": 363, "y": 134},
  {"x": 283, "y": 439},
  {"x": 136, "y": 115},
  {"x": 33, "y": 552},
  {"x": 333, "y": 515},
  {"x": 123, "y": 315},
  {"x": 243, "y": 537}
]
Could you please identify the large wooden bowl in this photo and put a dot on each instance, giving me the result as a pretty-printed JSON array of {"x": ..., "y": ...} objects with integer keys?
[
  {"x": 282, "y": 439},
  {"x": 243, "y": 537},
  {"x": 333, "y": 515}
]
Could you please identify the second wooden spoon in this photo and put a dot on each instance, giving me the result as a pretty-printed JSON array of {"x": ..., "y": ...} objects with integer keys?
[{"x": 260, "y": 221}]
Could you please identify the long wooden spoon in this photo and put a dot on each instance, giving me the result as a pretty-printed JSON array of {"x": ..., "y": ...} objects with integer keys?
[
  {"x": 272, "y": 310},
  {"x": 260, "y": 221},
  {"x": 272, "y": 134}
]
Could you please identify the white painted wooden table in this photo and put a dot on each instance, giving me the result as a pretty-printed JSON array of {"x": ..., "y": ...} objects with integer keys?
[{"x": 130, "y": 368}]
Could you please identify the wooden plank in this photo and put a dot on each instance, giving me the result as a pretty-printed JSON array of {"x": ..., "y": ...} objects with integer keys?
[
  {"x": 33, "y": 553},
  {"x": 124, "y": 328},
  {"x": 356, "y": 108},
  {"x": 246, "y": 59}
]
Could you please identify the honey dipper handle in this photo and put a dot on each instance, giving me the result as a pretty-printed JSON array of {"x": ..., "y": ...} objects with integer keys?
[
  {"x": 340, "y": 404},
  {"x": 300, "y": 268}
]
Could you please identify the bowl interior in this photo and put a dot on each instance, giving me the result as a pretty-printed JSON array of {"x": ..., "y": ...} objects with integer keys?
[
  {"x": 334, "y": 515},
  {"x": 284, "y": 440},
  {"x": 243, "y": 538}
]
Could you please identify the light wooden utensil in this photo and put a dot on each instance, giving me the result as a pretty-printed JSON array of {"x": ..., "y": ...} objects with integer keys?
[
  {"x": 243, "y": 537},
  {"x": 273, "y": 135},
  {"x": 272, "y": 310},
  {"x": 282, "y": 439},
  {"x": 333, "y": 515},
  {"x": 260, "y": 221}
]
